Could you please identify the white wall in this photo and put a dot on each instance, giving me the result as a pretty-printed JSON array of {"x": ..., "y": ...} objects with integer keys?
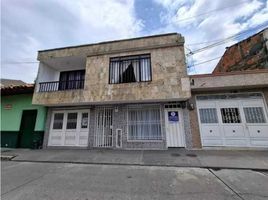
[{"x": 47, "y": 73}]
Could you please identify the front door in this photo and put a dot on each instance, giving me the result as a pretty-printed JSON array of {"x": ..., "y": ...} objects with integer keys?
[
  {"x": 104, "y": 127},
  {"x": 69, "y": 128},
  {"x": 27, "y": 128},
  {"x": 174, "y": 127}
]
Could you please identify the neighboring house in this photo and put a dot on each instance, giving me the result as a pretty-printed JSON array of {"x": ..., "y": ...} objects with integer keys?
[
  {"x": 10, "y": 82},
  {"x": 248, "y": 54},
  {"x": 231, "y": 103},
  {"x": 121, "y": 94},
  {"x": 22, "y": 124},
  {"x": 231, "y": 109}
]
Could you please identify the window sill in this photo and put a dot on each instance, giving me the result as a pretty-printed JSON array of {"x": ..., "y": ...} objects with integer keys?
[
  {"x": 131, "y": 83},
  {"x": 160, "y": 140}
]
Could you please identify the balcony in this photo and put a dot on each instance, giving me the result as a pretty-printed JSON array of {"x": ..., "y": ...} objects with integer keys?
[{"x": 53, "y": 86}]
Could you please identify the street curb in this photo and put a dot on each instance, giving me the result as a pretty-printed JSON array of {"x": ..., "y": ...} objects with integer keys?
[
  {"x": 7, "y": 158},
  {"x": 216, "y": 168}
]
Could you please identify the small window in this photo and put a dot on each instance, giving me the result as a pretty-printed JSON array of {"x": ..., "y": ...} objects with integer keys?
[
  {"x": 130, "y": 69},
  {"x": 58, "y": 121},
  {"x": 84, "y": 120},
  {"x": 230, "y": 115},
  {"x": 71, "y": 120},
  {"x": 208, "y": 115},
  {"x": 254, "y": 115}
]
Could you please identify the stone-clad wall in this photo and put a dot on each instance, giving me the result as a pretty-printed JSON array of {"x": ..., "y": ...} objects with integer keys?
[
  {"x": 113, "y": 47},
  {"x": 169, "y": 77},
  {"x": 167, "y": 71}
]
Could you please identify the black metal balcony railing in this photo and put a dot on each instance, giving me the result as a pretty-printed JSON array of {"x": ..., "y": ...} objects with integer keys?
[{"x": 61, "y": 85}]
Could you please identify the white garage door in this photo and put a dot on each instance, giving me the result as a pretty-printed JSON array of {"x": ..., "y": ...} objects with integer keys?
[
  {"x": 233, "y": 120},
  {"x": 69, "y": 128}
]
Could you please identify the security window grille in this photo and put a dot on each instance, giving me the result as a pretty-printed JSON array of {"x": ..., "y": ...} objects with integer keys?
[
  {"x": 230, "y": 115},
  {"x": 254, "y": 115},
  {"x": 58, "y": 121},
  {"x": 130, "y": 69},
  {"x": 72, "y": 80},
  {"x": 144, "y": 124},
  {"x": 71, "y": 121},
  {"x": 208, "y": 115}
]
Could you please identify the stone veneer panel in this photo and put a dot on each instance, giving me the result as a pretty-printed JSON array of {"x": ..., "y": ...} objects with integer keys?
[{"x": 169, "y": 76}]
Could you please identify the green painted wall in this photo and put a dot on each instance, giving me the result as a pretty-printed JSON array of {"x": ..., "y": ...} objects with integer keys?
[{"x": 11, "y": 118}]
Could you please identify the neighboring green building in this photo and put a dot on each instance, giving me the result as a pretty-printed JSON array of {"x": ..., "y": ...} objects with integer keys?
[{"x": 22, "y": 124}]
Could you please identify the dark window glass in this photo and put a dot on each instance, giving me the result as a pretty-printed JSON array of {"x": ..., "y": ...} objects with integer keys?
[
  {"x": 130, "y": 69},
  {"x": 72, "y": 80},
  {"x": 71, "y": 120},
  {"x": 230, "y": 115},
  {"x": 58, "y": 121}
]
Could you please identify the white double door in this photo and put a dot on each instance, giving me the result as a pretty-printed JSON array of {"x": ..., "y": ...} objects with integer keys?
[
  {"x": 174, "y": 127},
  {"x": 69, "y": 128},
  {"x": 239, "y": 123}
]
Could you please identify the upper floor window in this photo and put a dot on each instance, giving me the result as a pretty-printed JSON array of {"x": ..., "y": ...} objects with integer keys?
[
  {"x": 130, "y": 69},
  {"x": 72, "y": 80}
]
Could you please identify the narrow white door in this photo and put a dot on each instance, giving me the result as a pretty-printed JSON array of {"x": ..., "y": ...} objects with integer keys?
[{"x": 174, "y": 128}]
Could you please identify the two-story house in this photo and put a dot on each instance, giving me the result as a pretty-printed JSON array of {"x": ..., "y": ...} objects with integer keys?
[{"x": 120, "y": 94}]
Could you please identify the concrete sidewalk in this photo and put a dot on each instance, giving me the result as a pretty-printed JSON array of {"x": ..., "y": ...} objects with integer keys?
[{"x": 229, "y": 159}]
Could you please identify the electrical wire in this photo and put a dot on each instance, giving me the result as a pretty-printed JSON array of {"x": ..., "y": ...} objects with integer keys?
[
  {"x": 206, "y": 61},
  {"x": 211, "y": 11},
  {"x": 228, "y": 39}
]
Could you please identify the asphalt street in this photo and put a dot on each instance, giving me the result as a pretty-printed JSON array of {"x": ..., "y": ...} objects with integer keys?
[{"x": 64, "y": 181}]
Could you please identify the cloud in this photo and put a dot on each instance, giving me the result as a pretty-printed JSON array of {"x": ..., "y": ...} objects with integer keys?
[
  {"x": 28, "y": 26},
  {"x": 201, "y": 21}
]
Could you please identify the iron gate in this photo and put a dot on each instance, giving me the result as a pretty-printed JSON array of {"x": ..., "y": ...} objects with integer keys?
[{"x": 104, "y": 127}]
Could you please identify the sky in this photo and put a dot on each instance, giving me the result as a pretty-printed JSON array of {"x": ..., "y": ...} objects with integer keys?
[{"x": 31, "y": 25}]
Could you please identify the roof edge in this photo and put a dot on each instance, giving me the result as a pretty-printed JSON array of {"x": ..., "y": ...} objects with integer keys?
[
  {"x": 229, "y": 73},
  {"x": 112, "y": 41}
]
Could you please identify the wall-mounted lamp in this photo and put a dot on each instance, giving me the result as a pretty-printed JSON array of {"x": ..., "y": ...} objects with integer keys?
[{"x": 190, "y": 105}]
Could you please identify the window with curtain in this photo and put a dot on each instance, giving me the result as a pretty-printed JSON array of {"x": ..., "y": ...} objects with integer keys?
[
  {"x": 72, "y": 80},
  {"x": 130, "y": 69},
  {"x": 208, "y": 115},
  {"x": 144, "y": 124},
  {"x": 254, "y": 115}
]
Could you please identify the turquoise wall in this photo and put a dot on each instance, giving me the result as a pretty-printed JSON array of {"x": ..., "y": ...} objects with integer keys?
[{"x": 11, "y": 118}]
